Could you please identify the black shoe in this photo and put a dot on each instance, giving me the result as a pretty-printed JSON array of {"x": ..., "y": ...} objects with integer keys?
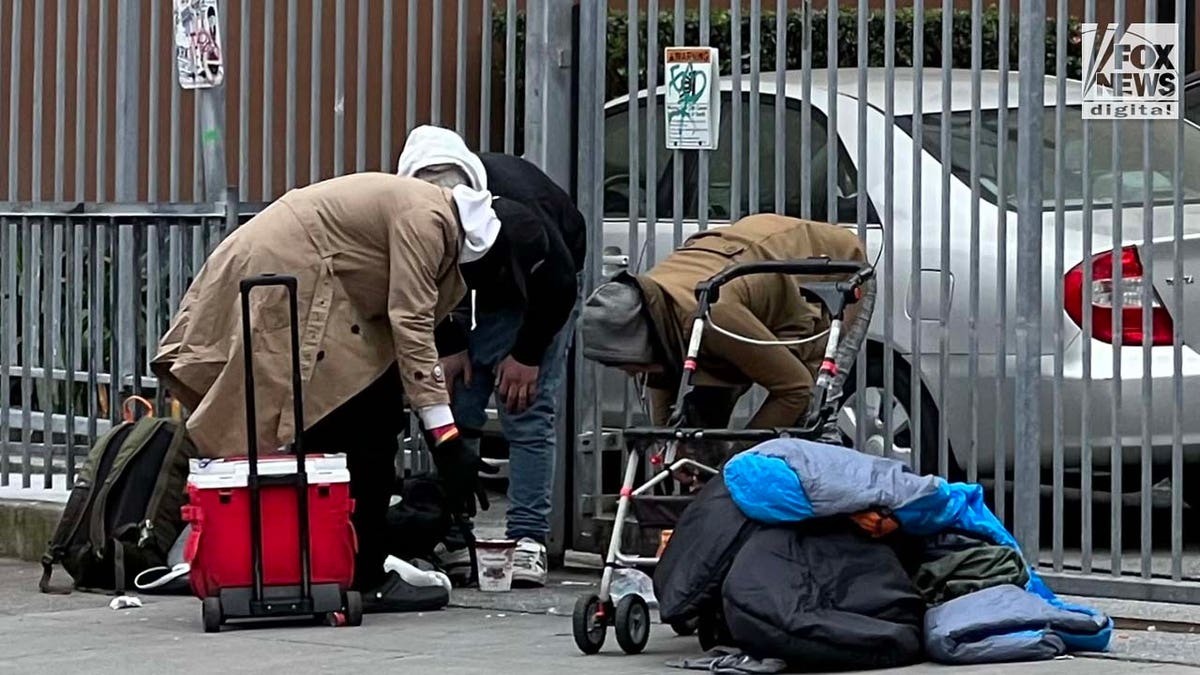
[{"x": 397, "y": 595}]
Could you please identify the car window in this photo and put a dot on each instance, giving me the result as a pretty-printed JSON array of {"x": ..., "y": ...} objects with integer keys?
[
  {"x": 617, "y": 162},
  {"x": 721, "y": 165}
]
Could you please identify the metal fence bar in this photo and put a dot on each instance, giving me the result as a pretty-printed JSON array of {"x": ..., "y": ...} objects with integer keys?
[
  {"x": 702, "y": 171},
  {"x": 385, "y": 98},
  {"x": 1027, "y": 403},
  {"x": 1177, "y": 477},
  {"x": 14, "y": 100},
  {"x": 735, "y": 174},
  {"x": 152, "y": 172},
  {"x": 46, "y": 395},
  {"x": 243, "y": 99},
  {"x": 887, "y": 298},
  {"x": 39, "y": 33},
  {"x": 780, "y": 168},
  {"x": 918, "y": 134},
  {"x": 80, "y": 98},
  {"x": 944, "y": 238},
  {"x": 755, "y": 154},
  {"x": 115, "y": 329},
  {"x": 651, "y": 135},
  {"x": 806, "y": 186},
  {"x": 314, "y": 125},
  {"x": 435, "y": 65},
  {"x": 268, "y": 97},
  {"x": 360, "y": 87},
  {"x": 631, "y": 56},
  {"x": 72, "y": 349},
  {"x": 510, "y": 77},
  {"x": 60, "y": 95},
  {"x": 460, "y": 69},
  {"x": 485, "y": 75},
  {"x": 677, "y": 158},
  {"x": 1060, "y": 71},
  {"x": 95, "y": 349},
  {"x": 410, "y": 106},
  {"x": 1147, "y": 302},
  {"x": 8, "y": 339},
  {"x": 1116, "y": 451},
  {"x": 28, "y": 311},
  {"x": 974, "y": 282},
  {"x": 339, "y": 88},
  {"x": 289, "y": 147},
  {"x": 1000, "y": 448},
  {"x": 832, "y": 142},
  {"x": 860, "y": 192}
]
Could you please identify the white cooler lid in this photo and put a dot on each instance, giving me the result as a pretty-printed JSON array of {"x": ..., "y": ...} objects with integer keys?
[{"x": 230, "y": 473}]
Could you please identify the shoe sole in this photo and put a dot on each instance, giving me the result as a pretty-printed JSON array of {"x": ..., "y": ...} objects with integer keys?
[{"x": 525, "y": 580}]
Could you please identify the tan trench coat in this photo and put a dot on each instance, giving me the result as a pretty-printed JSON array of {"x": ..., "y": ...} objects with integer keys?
[
  {"x": 376, "y": 260},
  {"x": 763, "y": 307}
]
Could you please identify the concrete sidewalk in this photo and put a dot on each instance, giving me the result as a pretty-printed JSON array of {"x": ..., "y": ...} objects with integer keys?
[{"x": 526, "y": 632}]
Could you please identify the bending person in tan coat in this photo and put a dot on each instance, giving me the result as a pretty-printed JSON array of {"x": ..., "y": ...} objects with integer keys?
[
  {"x": 376, "y": 257},
  {"x": 642, "y": 323}
]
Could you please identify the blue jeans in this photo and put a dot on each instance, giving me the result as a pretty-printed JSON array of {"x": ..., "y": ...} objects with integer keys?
[{"x": 531, "y": 434}]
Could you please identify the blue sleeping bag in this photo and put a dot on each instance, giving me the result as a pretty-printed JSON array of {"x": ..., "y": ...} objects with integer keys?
[{"x": 791, "y": 481}]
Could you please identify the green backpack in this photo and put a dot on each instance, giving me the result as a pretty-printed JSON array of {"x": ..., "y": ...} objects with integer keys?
[{"x": 123, "y": 514}]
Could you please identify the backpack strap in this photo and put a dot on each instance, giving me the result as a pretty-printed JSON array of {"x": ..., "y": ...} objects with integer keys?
[{"x": 118, "y": 566}]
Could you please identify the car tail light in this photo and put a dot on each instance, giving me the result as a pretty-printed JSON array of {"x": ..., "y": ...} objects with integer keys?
[{"x": 1132, "y": 284}]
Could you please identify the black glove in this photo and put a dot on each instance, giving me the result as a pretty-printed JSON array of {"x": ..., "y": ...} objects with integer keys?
[{"x": 458, "y": 468}]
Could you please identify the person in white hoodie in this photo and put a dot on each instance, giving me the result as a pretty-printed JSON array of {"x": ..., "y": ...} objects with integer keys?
[{"x": 513, "y": 342}]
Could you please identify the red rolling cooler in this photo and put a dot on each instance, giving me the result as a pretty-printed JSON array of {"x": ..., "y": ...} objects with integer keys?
[{"x": 272, "y": 538}]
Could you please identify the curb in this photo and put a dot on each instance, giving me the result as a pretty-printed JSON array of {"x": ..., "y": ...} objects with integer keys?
[{"x": 25, "y": 527}]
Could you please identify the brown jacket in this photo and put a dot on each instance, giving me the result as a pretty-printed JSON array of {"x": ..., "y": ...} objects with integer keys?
[
  {"x": 376, "y": 259},
  {"x": 763, "y": 307}
]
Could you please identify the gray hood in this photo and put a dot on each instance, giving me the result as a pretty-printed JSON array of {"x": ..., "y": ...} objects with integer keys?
[{"x": 615, "y": 330}]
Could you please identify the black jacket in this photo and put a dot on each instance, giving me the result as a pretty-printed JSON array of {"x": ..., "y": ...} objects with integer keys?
[
  {"x": 528, "y": 267},
  {"x": 514, "y": 178}
]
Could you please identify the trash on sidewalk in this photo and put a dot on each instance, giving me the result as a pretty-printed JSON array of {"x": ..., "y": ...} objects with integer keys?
[
  {"x": 125, "y": 602},
  {"x": 627, "y": 580}
]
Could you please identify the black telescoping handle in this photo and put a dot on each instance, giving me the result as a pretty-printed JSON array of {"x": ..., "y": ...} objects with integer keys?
[
  {"x": 246, "y": 286},
  {"x": 710, "y": 290}
]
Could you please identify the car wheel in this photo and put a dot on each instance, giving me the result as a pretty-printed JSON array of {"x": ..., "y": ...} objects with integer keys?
[{"x": 873, "y": 418}]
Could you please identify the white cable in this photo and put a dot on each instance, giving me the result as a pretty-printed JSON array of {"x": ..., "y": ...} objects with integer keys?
[{"x": 763, "y": 343}]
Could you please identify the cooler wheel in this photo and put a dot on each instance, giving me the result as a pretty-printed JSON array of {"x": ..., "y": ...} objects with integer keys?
[
  {"x": 589, "y": 624},
  {"x": 633, "y": 623},
  {"x": 354, "y": 608},
  {"x": 210, "y": 610}
]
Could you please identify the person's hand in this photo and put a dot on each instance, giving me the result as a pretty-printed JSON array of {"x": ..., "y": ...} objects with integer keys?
[
  {"x": 516, "y": 384},
  {"x": 458, "y": 468},
  {"x": 455, "y": 366}
]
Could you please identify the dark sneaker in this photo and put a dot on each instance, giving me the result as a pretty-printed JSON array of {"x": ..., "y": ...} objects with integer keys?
[
  {"x": 455, "y": 562},
  {"x": 397, "y": 595}
]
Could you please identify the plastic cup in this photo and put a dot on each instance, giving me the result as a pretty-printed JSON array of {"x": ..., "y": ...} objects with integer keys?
[{"x": 494, "y": 564}]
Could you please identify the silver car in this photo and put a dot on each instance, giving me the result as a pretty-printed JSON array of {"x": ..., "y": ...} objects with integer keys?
[{"x": 952, "y": 324}]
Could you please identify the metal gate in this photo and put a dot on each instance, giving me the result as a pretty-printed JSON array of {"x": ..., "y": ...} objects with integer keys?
[{"x": 1033, "y": 327}]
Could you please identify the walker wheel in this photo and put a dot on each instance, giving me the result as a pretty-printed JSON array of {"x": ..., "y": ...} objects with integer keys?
[
  {"x": 589, "y": 623},
  {"x": 354, "y": 608},
  {"x": 633, "y": 623},
  {"x": 210, "y": 611}
]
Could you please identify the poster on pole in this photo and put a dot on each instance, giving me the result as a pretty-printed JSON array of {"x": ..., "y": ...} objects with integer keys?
[
  {"x": 693, "y": 100},
  {"x": 198, "y": 55}
]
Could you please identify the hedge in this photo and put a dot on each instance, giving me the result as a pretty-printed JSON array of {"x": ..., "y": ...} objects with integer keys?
[{"x": 616, "y": 71}]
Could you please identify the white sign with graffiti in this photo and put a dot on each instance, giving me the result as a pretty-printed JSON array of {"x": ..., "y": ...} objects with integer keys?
[
  {"x": 693, "y": 101},
  {"x": 198, "y": 53}
]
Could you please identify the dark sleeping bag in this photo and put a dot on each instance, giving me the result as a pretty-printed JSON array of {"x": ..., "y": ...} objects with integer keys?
[
  {"x": 823, "y": 597},
  {"x": 709, "y": 534}
]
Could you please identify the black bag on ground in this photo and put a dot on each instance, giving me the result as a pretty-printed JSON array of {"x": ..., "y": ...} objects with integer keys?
[
  {"x": 708, "y": 536},
  {"x": 823, "y": 597},
  {"x": 123, "y": 514},
  {"x": 420, "y": 521}
]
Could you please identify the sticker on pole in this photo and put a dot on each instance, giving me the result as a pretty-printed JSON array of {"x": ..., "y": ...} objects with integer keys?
[
  {"x": 1130, "y": 73},
  {"x": 198, "y": 44},
  {"x": 693, "y": 99}
]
